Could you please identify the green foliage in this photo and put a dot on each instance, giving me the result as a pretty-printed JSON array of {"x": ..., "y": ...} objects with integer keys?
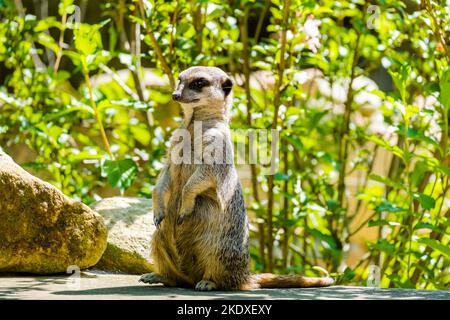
[
  {"x": 356, "y": 158},
  {"x": 120, "y": 173}
]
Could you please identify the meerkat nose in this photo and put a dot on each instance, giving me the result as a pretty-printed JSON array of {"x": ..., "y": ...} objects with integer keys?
[{"x": 176, "y": 96}]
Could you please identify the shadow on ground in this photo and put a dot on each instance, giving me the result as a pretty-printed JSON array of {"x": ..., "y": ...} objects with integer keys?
[{"x": 123, "y": 287}]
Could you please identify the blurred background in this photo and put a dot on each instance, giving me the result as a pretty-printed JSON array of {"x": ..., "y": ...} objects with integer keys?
[{"x": 359, "y": 91}]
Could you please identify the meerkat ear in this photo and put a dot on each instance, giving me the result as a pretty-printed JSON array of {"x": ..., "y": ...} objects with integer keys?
[{"x": 227, "y": 85}]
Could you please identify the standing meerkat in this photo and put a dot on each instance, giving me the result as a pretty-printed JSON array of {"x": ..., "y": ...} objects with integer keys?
[{"x": 202, "y": 234}]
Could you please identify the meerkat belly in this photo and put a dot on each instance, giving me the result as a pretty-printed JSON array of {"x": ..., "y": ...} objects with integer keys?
[
  {"x": 199, "y": 237},
  {"x": 199, "y": 234},
  {"x": 180, "y": 175}
]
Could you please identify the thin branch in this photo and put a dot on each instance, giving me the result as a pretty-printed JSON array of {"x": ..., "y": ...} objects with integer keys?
[
  {"x": 60, "y": 43},
  {"x": 277, "y": 102},
  {"x": 161, "y": 58},
  {"x": 345, "y": 131},
  {"x": 136, "y": 51},
  {"x": 157, "y": 49},
  {"x": 437, "y": 27},
  {"x": 254, "y": 178},
  {"x": 196, "y": 14},
  {"x": 286, "y": 208},
  {"x": 261, "y": 20},
  {"x": 119, "y": 81},
  {"x": 96, "y": 111}
]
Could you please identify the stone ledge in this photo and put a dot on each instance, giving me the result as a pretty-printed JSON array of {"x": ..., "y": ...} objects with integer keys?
[{"x": 95, "y": 285}]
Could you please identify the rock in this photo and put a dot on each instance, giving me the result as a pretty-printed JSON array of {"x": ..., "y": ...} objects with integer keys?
[
  {"x": 41, "y": 230},
  {"x": 130, "y": 227}
]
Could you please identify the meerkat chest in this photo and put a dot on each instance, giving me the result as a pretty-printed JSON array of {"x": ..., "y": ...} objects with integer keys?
[
  {"x": 183, "y": 156},
  {"x": 197, "y": 144},
  {"x": 181, "y": 174}
]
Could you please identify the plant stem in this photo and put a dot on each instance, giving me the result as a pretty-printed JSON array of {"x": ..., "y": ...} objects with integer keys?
[
  {"x": 196, "y": 13},
  {"x": 261, "y": 20},
  {"x": 409, "y": 184},
  {"x": 60, "y": 43},
  {"x": 253, "y": 172},
  {"x": 161, "y": 58},
  {"x": 285, "y": 210},
  {"x": 345, "y": 131},
  {"x": 96, "y": 111},
  {"x": 277, "y": 102},
  {"x": 119, "y": 81},
  {"x": 343, "y": 145},
  {"x": 136, "y": 51},
  {"x": 157, "y": 48}
]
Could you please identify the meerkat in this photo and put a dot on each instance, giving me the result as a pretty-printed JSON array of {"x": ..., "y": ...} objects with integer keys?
[{"x": 202, "y": 234}]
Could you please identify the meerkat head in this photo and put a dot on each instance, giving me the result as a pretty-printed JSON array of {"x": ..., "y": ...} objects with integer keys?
[{"x": 204, "y": 86}]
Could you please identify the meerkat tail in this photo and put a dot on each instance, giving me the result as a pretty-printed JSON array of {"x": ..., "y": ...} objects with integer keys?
[{"x": 269, "y": 280}]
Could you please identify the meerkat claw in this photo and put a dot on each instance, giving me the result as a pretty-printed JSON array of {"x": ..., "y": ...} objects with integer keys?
[
  {"x": 180, "y": 219},
  {"x": 183, "y": 215},
  {"x": 157, "y": 219}
]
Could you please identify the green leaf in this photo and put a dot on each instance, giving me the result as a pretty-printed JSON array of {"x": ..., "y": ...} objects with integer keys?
[
  {"x": 400, "y": 78},
  {"x": 386, "y": 181},
  {"x": 418, "y": 172},
  {"x": 436, "y": 245},
  {"x": 427, "y": 225},
  {"x": 389, "y": 207},
  {"x": 262, "y": 65},
  {"x": 435, "y": 165},
  {"x": 385, "y": 144},
  {"x": 87, "y": 39},
  {"x": 280, "y": 176},
  {"x": 324, "y": 237},
  {"x": 74, "y": 56},
  {"x": 427, "y": 202},
  {"x": 444, "y": 85},
  {"x": 349, "y": 274},
  {"x": 47, "y": 23},
  {"x": 384, "y": 245},
  {"x": 47, "y": 41},
  {"x": 382, "y": 222},
  {"x": 65, "y": 6},
  {"x": 120, "y": 173},
  {"x": 67, "y": 110},
  {"x": 296, "y": 142},
  {"x": 417, "y": 135}
]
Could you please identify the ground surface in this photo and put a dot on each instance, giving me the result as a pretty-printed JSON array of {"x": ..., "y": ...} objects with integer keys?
[{"x": 112, "y": 286}]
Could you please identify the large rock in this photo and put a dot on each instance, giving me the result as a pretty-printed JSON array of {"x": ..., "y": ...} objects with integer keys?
[
  {"x": 41, "y": 230},
  {"x": 130, "y": 227}
]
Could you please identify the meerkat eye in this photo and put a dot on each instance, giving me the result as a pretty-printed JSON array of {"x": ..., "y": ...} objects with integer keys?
[
  {"x": 227, "y": 85},
  {"x": 198, "y": 84}
]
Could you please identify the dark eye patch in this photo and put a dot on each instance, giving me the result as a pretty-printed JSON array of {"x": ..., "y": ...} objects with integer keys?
[
  {"x": 198, "y": 84},
  {"x": 227, "y": 85}
]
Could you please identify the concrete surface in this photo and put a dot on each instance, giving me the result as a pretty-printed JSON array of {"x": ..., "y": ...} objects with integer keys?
[{"x": 96, "y": 285}]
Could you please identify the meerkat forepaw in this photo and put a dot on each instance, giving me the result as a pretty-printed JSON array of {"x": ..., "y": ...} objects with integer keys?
[
  {"x": 152, "y": 278},
  {"x": 183, "y": 215},
  {"x": 205, "y": 285},
  {"x": 180, "y": 219}
]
